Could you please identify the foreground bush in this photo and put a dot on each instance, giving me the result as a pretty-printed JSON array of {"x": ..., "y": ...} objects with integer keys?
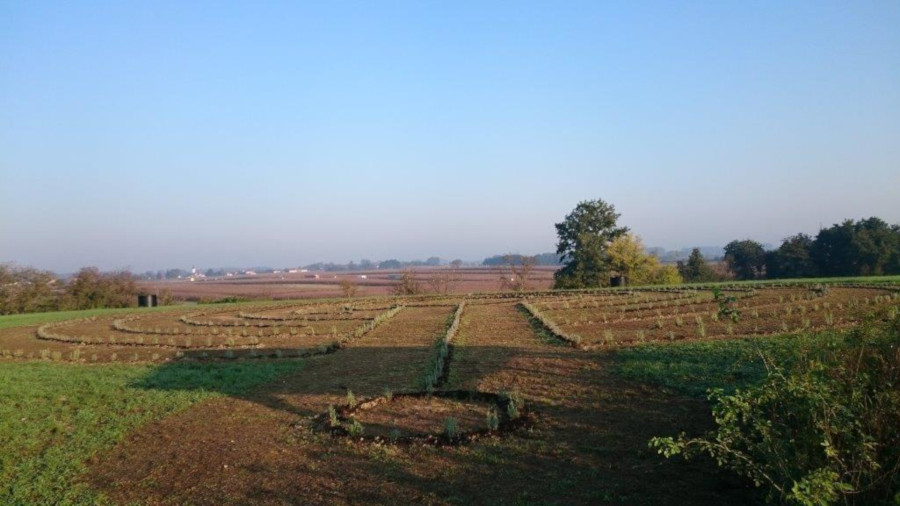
[{"x": 823, "y": 427}]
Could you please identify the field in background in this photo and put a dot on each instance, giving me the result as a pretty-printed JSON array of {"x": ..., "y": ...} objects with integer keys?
[
  {"x": 490, "y": 398},
  {"x": 327, "y": 284}
]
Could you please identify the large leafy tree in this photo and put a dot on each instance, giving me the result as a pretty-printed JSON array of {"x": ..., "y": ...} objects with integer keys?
[
  {"x": 746, "y": 259},
  {"x": 584, "y": 236},
  {"x": 792, "y": 259},
  {"x": 628, "y": 258},
  {"x": 865, "y": 247}
]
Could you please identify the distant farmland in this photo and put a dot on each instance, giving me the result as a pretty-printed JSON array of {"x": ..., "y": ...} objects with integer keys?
[
  {"x": 327, "y": 284},
  {"x": 496, "y": 398}
]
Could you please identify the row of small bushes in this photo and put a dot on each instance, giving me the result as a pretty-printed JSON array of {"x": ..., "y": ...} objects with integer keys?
[
  {"x": 550, "y": 325},
  {"x": 371, "y": 324},
  {"x": 46, "y": 332},
  {"x": 438, "y": 365},
  {"x": 606, "y": 301}
]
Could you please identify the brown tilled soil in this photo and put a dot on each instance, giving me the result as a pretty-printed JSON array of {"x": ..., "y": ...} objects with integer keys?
[
  {"x": 769, "y": 307},
  {"x": 412, "y": 416},
  {"x": 302, "y": 285},
  {"x": 588, "y": 443}
]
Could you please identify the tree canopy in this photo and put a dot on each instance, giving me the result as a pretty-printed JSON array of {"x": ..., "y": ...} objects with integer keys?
[
  {"x": 628, "y": 258},
  {"x": 746, "y": 259},
  {"x": 792, "y": 259},
  {"x": 584, "y": 236},
  {"x": 696, "y": 269},
  {"x": 862, "y": 248}
]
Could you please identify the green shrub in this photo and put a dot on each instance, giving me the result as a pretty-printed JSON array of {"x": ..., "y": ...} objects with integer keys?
[
  {"x": 356, "y": 429},
  {"x": 514, "y": 404},
  {"x": 493, "y": 421},
  {"x": 823, "y": 427},
  {"x": 450, "y": 427},
  {"x": 333, "y": 417}
]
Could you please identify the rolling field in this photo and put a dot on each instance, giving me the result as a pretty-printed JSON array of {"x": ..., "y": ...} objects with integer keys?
[{"x": 535, "y": 398}]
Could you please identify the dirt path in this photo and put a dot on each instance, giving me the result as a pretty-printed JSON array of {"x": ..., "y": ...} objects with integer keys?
[{"x": 588, "y": 444}]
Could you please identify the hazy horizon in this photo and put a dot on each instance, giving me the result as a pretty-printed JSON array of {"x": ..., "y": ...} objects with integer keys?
[{"x": 165, "y": 134}]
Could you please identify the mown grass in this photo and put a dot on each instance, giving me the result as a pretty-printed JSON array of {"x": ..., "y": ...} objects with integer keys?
[
  {"x": 53, "y": 417},
  {"x": 693, "y": 367}
]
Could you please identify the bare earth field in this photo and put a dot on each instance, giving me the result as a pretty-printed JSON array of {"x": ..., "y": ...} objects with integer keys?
[
  {"x": 354, "y": 424},
  {"x": 327, "y": 284}
]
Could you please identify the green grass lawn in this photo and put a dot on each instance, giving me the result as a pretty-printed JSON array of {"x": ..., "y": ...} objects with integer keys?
[{"x": 53, "y": 417}]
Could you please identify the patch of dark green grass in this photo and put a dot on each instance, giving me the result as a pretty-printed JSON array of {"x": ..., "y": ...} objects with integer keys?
[
  {"x": 53, "y": 417},
  {"x": 693, "y": 367}
]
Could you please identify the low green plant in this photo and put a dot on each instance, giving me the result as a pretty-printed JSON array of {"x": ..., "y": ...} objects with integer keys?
[
  {"x": 356, "y": 429},
  {"x": 451, "y": 429},
  {"x": 514, "y": 404},
  {"x": 823, "y": 427},
  {"x": 512, "y": 411},
  {"x": 492, "y": 419},
  {"x": 726, "y": 305},
  {"x": 351, "y": 399},
  {"x": 333, "y": 417}
]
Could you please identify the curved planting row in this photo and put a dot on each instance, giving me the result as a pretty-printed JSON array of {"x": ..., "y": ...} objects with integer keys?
[{"x": 112, "y": 339}]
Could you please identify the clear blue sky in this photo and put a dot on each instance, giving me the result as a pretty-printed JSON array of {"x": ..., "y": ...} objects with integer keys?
[{"x": 156, "y": 134}]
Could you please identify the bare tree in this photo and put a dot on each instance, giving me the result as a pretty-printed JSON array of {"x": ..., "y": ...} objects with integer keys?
[
  {"x": 26, "y": 290},
  {"x": 515, "y": 272},
  {"x": 444, "y": 281},
  {"x": 408, "y": 284},
  {"x": 349, "y": 288}
]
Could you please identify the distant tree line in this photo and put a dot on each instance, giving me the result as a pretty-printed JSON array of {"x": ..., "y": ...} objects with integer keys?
[
  {"x": 29, "y": 290},
  {"x": 366, "y": 264},
  {"x": 595, "y": 250},
  {"x": 865, "y": 247},
  {"x": 540, "y": 259},
  {"x": 697, "y": 270}
]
